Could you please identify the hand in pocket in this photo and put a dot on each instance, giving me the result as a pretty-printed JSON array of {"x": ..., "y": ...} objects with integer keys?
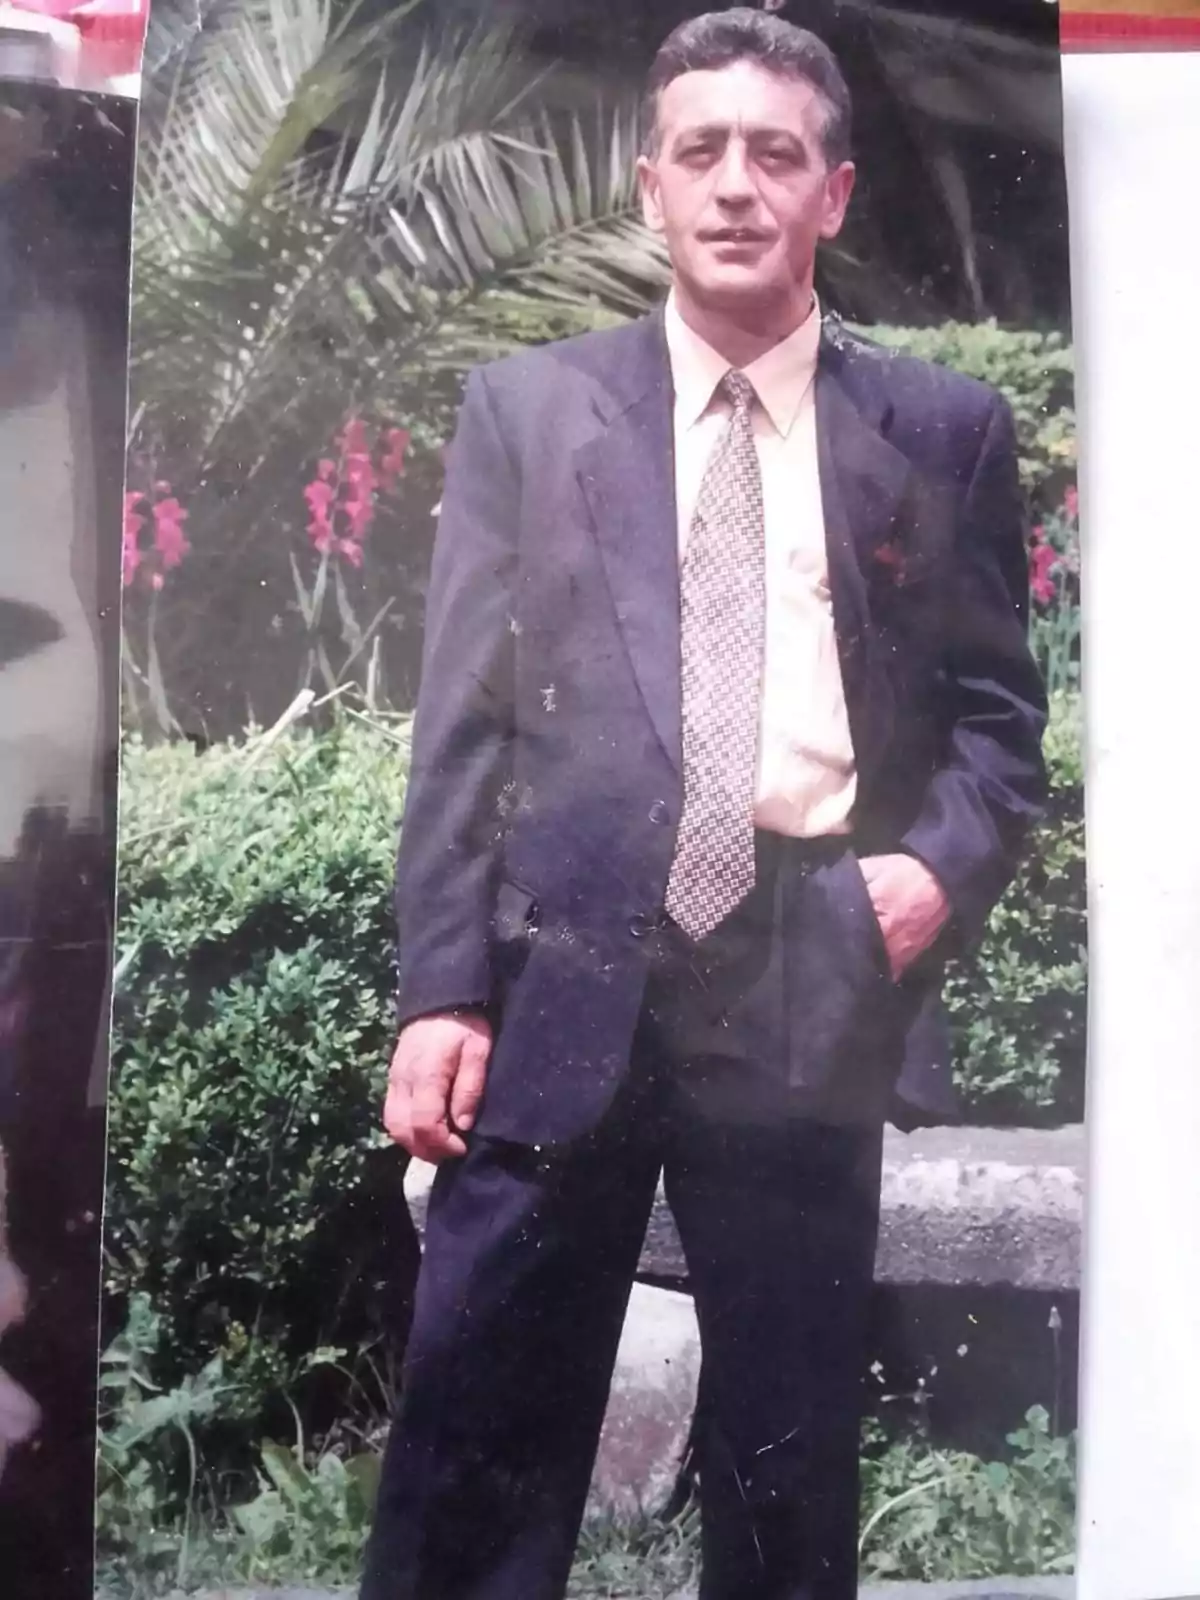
[{"x": 910, "y": 903}]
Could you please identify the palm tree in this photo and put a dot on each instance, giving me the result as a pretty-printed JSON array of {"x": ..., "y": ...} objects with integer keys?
[
  {"x": 334, "y": 216},
  {"x": 958, "y": 106},
  {"x": 344, "y": 203}
]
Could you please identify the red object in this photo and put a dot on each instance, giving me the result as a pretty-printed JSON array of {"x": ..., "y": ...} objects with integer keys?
[
  {"x": 121, "y": 17},
  {"x": 1128, "y": 30},
  {"x": 1043, "y": 565},
  {"x": 111, "y": 32}
]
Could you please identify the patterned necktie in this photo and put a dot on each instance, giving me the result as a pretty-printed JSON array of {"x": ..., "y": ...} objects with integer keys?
[{"x": 723, "y": 606}]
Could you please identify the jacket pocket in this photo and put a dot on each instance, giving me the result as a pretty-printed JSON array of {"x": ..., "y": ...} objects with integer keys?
[
  {"x": 514, "y": 923},
  {"x": 863, "y": 914},
  {"x": 517, "y": 912}
]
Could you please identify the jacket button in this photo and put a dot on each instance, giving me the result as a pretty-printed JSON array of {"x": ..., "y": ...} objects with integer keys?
[
  {"x": 640, "y": 925},
  {"x": 660, "y": 812}
]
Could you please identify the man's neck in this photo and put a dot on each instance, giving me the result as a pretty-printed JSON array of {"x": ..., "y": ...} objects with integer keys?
[{"x": 740, "y": 334}]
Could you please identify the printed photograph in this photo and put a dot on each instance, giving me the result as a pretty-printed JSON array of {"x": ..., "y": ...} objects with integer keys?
[{"x": 597, "y": 1088}]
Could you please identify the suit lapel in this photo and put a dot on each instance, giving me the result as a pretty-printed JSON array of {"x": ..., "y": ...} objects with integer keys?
[
  {"x": 863, "y": 485},
  {"x": 627, "y": 472}
]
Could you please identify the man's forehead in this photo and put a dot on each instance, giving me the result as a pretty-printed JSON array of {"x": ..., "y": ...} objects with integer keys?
[{"x": 743, "y": 97}]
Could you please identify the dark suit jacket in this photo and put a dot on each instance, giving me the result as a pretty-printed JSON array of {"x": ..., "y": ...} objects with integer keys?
[{"x": 545, "y": 786}]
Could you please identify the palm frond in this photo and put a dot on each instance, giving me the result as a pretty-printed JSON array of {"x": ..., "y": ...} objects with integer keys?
[{"x": 260, "y": 254}]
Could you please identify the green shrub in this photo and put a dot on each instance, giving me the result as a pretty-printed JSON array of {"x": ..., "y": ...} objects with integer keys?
[
  {"x": 1018, "y": 1007},
  {"x": 933, "y": 1516},
  {"x": 252, "y": 1018},
  {"x": 1033, "y": 371},
  {"x": 249, "y": 1189}
]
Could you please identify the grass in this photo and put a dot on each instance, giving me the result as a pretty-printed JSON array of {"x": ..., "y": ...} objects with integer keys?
[
  {"x": 927, "y": 1514},
  {"x": 635, "y": 1557}
]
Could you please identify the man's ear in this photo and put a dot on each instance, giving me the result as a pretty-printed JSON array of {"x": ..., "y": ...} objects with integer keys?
[
  {"x": 648, "y": 184},
  {"x": 839, "y": 186}
]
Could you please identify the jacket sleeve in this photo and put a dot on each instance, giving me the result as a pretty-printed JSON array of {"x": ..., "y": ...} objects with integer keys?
[
  {"x": 460, "y": 767},
  {"x": 991, "y": 785}
]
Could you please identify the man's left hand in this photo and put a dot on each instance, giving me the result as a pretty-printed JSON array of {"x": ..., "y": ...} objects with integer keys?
[{"x": 910, "y": 903}]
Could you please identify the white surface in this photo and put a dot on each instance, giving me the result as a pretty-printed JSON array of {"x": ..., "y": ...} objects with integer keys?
[{"x": 1133, "y": 148}]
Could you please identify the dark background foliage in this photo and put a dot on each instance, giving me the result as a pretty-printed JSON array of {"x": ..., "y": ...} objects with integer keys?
[
  {"x": 448, "y": 180},
  {"x": 959, "y": 141}
]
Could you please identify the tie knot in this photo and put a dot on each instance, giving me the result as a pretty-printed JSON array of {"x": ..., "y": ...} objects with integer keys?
[{"x": 739, "y": 390}]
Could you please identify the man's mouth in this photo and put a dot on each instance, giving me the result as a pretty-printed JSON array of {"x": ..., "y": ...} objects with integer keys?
[{"x": 736, "y": 236}]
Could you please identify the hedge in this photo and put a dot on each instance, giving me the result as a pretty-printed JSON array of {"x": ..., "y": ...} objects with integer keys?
[
  {"x": 1018, "y": 1007},
  {"x": 250, "y": 1190},
  {"x": 252, "y": 1018},
  {"x": 1035, "y": 372}
]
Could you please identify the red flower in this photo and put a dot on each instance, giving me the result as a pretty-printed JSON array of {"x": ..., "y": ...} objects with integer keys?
[
  {"x": 391, "y": 463},
  {"x": 168, "y": 544},
  {"x": 353, "y": 440},
  {"x": 358, "y": 503},
  {"x": 341, "y": 498},
  {"x": 169, "y": 517},
  {"x": 1043, "y": 561},
  {"x": 131, "y": 550},
  {"x": 319, "y": 496}
]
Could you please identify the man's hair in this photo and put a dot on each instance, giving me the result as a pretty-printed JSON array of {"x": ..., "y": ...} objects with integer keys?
[{"x": 720, "y": 38}]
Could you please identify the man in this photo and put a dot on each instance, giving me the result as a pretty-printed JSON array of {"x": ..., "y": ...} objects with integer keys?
[{"x": 728, "y": 736}]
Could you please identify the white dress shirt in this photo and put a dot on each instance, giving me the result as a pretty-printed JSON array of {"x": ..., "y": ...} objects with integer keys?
[{"x": 806, "y": 774}]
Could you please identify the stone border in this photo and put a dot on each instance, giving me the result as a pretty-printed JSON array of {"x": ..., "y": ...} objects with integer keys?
[
  {"x": 967, "y": 1589},
  {"x": 962, "y": 1207}
]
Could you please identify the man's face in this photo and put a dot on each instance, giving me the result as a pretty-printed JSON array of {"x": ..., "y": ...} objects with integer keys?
[{"x": 740, "y": 188}]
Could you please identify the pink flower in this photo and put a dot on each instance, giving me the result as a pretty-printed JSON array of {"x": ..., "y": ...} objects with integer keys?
[
  {"x": 319, "y": 496},
  {"x": 353, "y": 441},
  {"x": 169, "y": 541},
  {"x": 341, "y": 498},
  {"x": 1043, "y": 559},
  {"x": 1071, "y": 502},
  {"x": 358, "y": 479},
  {"x": 391, "y": 464},
  {"x": 166, "y": 517},
  {"x": 131, "y": 550},
  {"x": 359, "y": 505}
]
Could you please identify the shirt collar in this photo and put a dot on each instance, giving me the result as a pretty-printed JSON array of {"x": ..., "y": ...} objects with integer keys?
[{"x": 781, "y": 376}]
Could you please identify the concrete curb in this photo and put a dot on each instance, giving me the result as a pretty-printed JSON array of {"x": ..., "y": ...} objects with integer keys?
[
  {"x": 961, "y": 1207},
  {"x": 967, "y": 1589}
]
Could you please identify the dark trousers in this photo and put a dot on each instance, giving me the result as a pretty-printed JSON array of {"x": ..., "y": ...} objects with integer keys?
[{"x": 529, "y": 1258}]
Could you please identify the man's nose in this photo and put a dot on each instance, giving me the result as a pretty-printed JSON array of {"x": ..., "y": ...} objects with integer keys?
[{"x": 734, "y": 181}]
